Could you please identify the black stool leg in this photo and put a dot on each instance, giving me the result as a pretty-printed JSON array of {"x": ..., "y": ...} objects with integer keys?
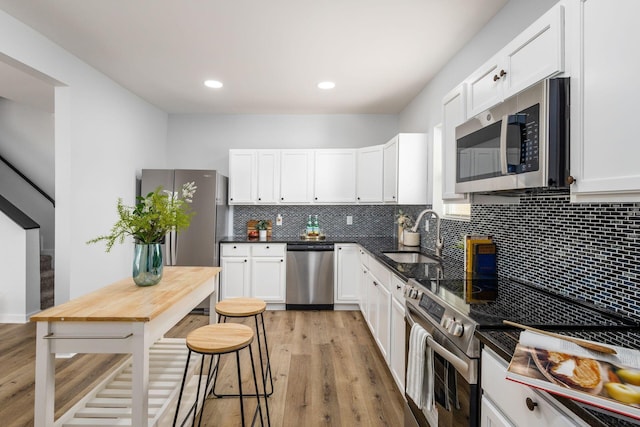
[
  {"x": 266, "y": 346},
  {"x": 255, "y": 383},
  {"x": 262, "y": 369},
  {"x": 195, "y": 411},
  {"x": 184, "y": 379},
  {"x": 240, "y": 387}
]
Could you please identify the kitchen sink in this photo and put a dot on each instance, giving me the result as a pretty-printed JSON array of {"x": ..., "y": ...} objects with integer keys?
[{"x": 410, "y": 258}]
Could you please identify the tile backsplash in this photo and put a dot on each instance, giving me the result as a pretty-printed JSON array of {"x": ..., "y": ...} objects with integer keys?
[{"x": 589, "y": 251}]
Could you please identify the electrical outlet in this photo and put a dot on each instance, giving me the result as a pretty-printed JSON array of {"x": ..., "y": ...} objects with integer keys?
[
  {"x": 349, "y": 220},
  {"x": 426, "y": 226},
  {"x": 279, "y": 220}
]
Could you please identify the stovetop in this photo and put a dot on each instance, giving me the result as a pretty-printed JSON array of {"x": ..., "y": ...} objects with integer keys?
[{"x": 487, "y": 301}]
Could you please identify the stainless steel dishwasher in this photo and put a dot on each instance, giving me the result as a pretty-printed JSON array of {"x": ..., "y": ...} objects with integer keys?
[{"x": 309, "y": 276}]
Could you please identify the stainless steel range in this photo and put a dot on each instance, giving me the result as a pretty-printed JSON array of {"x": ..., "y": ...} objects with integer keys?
[{"x": 453, "y": 310}]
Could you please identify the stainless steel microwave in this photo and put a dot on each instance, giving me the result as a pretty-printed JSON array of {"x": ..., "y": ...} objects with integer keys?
[{"x": 521, "y": 143}]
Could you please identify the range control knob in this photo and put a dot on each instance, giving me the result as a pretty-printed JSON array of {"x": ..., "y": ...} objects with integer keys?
[
  {"x": 446, "y": 322},
  {"x": 455, "y": 328}
]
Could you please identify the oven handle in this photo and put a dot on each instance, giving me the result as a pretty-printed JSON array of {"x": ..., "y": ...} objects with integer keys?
[{"x": 459, "y": 364}]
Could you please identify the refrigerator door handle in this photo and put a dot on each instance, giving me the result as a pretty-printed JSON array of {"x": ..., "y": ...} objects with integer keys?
[{"x": 174, "y": 246}]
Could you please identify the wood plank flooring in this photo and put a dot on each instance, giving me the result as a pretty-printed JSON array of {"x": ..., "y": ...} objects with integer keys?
[{"x": 327, "y": 371}]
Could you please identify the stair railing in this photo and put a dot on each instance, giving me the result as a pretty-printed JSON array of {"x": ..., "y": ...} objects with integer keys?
[{"x": 28, "y": 181}]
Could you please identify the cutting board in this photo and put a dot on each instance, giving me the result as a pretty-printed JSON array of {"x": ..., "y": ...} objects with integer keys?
[{"x": 251, "y": 226}]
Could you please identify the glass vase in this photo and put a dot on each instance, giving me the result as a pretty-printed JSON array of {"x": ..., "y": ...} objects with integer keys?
[{"x": 147, "y": 264}]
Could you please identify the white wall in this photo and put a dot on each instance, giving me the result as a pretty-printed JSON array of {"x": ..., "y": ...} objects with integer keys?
[
  {"x": 20, "y": 284},
  {"x": 103, "y": 136},
  {"x": 202, "y": 141},
  {"x": 26, "y": 141},
  {"x": 425, "y": 111}
]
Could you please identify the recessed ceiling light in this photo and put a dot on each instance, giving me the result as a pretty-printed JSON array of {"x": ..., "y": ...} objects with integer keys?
[
  {"x": 326, "y": 85},
  {"x": 214, "y": 84}
]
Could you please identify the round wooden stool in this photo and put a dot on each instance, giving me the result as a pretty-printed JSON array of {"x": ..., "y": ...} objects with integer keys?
[
  {"x": 248, "y": 307},
  {"x": 219, "y": 339}
]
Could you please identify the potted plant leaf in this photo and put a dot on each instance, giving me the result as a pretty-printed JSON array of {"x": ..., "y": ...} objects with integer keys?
[{"x": 262, "y": 226}]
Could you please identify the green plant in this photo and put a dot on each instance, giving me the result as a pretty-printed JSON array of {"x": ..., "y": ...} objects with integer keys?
[
  {"x": 404, "y": 220},
  {"x": 153, "y": 216},
  {"x": 263, "y": 224}
]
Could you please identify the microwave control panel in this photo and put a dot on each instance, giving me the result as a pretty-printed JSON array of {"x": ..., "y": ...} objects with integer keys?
[{"x": 523, "y": 140}]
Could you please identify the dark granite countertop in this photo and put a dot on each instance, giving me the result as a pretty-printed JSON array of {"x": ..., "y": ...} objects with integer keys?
[{"x": 503, "y": 343}]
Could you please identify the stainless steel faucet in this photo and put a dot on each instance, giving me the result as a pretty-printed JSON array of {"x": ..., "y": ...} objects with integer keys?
[{"x": 439, "y": 241}]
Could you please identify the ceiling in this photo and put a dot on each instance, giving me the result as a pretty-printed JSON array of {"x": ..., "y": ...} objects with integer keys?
[{"x": 270, "y": 55}]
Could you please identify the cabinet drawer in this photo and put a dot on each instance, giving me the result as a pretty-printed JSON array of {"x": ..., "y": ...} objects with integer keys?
[
  {"x": 235, "y": 249},
  {"x": 268, "y": 249},
  {"x": 397, "y": 288},
  {"x": 380, "y": 272},
  {"x": 510, "y": 398}
]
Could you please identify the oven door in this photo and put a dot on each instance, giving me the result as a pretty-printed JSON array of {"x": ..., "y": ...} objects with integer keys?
[{"x": 456, "y": 392}]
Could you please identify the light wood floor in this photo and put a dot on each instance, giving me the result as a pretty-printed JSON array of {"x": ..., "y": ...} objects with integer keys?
[{"x": 327, "y": 371}]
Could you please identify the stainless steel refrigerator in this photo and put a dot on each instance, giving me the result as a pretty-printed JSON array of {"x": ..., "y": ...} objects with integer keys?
[{"x": 198, "y": 245}]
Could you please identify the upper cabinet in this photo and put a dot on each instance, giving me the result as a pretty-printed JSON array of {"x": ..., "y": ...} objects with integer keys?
[
  {"x": 604, "y": 151},
  {"x": 242, "y": 167},
  {"x": 453, "y": 114},
  {"x": 335, "y": 176},
  {"x": 405, "y": 169},
  {"x": 331, "y": 176},
  {"x": 369, "y": 175},
  {"x": 535, "y": 54},
  {"x": 296, "y": 176}
]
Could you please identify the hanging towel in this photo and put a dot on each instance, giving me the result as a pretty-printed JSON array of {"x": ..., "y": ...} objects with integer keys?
[{"x": 420, "y": 373}]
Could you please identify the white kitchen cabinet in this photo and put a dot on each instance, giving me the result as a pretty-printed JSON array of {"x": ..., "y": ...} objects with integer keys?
[
  {"x": 253, "y": 270},
  {"x": 362, "y": 292},
  {"x": 453, "y": 114},
  {"x": 348, "y": 268},
  {"x": 296, "y": 176},
  {"x": 397, "y": 333},
  {"x": 369, "y": 171},
  {"x": 372, "y": 303},
  {"x": 506, "y": 401},
  {"x": 535, "y": 54},
  {"x": 268, "y": 176},
  {"x": 604, "y": 149},
  {"x": 405, "y": 169},
  {"x": 242, "y": 177},
  {"x": 268, "y": 278},
  {"x": 234, "y": 277},
  {"x": 335, "y": 176},
  {"x": 383, "y": 326}
]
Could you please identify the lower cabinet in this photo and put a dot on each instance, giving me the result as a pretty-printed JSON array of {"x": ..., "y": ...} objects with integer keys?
[
  {"x": 398, "y": 331},
  {"x": 347, "y": 268},
  {"x": 253, "y": 270},
  {"x": 504, "y": 402}
]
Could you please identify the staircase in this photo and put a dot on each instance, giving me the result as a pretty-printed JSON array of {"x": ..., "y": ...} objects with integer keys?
[{"x": 46, "y": 282}]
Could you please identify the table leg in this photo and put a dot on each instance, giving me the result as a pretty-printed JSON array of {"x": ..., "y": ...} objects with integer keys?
[
  {"x": 140, "y": 375},
  {"x": 45, "y": 378}
]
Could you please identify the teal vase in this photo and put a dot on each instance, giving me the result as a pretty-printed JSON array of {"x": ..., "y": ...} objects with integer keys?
[{"x": 147, "y": 264}]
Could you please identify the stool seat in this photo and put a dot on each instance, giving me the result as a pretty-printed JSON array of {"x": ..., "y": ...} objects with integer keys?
[
  {"x": 219, "y": 338},
  {"x": 241, "y": 307}
]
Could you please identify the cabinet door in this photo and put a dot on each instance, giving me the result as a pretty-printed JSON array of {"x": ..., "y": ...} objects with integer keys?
[
  {"x": 296, "y": 176},
  {"x": 383, "y": 327},
  {"x": 536, "y": 53},
  {"x": 604, "y": 151},
  {"x": 453, "y": 114},
  {"x": 234, "y": 280},
  {"x": 364, "y": 294},
  {"x": 268, "y": 176},
  {"x": 369, "y": 180},
  {"x": 490, "y": 416},
  {"x": 372, "y": 303},
  {"x": 335, "y": 176},
  {"x": 268, "y": 278},
  {"x": 396, "y": 349},
  {"x": 484, "y": 86},
  {"x": 242, "y": 176},
  {"x": 347, "y": 274},
  {"x": 390, "y": 171}
]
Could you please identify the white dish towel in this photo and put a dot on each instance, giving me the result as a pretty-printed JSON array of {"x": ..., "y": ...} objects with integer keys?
[{"x": 420, "y": 372}]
